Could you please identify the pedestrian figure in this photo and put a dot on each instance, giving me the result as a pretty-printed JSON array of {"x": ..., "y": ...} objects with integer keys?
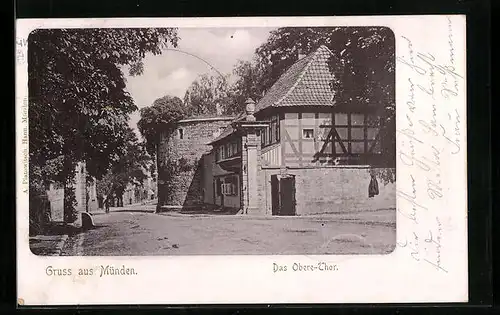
[
  {"x": 373, "y": 187},
  {"x": 106, "y": 204}
]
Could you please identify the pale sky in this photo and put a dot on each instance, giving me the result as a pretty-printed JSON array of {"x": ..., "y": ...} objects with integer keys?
[{"x": 171, "y": 73}]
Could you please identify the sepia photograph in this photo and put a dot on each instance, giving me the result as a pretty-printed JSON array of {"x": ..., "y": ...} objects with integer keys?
[
  {"x": 212, "y": 141},
  {"x": 264, "y": 154}
]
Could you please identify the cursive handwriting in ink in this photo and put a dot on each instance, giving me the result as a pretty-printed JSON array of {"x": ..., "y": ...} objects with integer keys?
[
  {"x": 435, "y": 157},
  {"x": 434, "y": 189},
  {"x": 411, "y": 102},
  {"x": 434, "y": 116},
  {"x": 455, "y": 143},
  {"x": 410, "y": 134},
  {"x": 447, "y": 92},
  {"x": 409, "y": 158},
  {"x": 432, "y": 82},
  {"x": 429, "y": 59},
  {"x": 411, "y": 62},
  {"x": 413, "y": 246},
  {"x": 450, "y": 41},
  {"x": 436, "y": 242},
  {"x": 411, "y": 198},
  {"x": 457, "y": 124},
  {"x": 428, "y": 128}
]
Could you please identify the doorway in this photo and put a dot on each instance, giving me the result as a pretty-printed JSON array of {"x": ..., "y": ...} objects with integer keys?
[{"x": 283, "y": 200}]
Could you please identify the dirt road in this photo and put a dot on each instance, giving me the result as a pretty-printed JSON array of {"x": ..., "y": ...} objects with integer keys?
[{"x": 143, "y": 233}]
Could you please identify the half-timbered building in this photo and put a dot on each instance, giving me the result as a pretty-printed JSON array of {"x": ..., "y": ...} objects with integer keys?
[
  {"x": 313, "y": 154},
  {"x": 299, "y": 151}
]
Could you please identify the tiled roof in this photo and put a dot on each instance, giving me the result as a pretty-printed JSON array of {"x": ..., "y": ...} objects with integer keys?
[{"x": 305, "y": 83}]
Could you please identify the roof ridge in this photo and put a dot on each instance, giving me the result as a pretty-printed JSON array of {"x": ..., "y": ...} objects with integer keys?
[{"x": 292, "y": 88}]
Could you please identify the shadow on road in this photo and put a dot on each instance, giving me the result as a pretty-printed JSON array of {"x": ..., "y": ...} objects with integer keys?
[
  {"x": 210, "y": 211},
  {"x": 59, "y": 228},
  {"x": 135, "y": 211}
]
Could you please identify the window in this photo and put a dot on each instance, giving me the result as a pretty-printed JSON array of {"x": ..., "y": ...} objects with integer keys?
[
  {"x": 218, "y": 154},
  {"x": 308, "y": 133},
  {"x": 271, "y": 134},
  {"x": 181, "y": 133},
  {"x": 230, "y": 186},
  {"x": 228, "y": 150},
  {"x": 263, "y": 137}
]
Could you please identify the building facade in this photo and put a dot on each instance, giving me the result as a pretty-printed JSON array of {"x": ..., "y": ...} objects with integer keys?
[
  {"x": 182, "y": 154},
  {"x": 140, "y": 194},
  {"x": 85, "y": 193},
  {"x": 296, "y": 151}
]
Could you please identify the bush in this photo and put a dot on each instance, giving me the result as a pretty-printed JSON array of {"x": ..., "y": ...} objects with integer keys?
[
  {"x": 70, "y": 212},
  {"x": 39, "y": 213}
]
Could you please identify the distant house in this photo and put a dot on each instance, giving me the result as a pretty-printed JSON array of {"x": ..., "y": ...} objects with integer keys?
[
  {"x": 295, "y": 152},
  {"x": 135, "y": 194}
]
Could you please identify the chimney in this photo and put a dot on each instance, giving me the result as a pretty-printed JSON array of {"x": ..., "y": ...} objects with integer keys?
[{"x": 301, "y": 53}]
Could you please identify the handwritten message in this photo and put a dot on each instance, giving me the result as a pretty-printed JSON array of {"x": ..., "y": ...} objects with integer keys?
[
  {"x": 21, "y": 50},
  {"x": 429, "y": 133}
]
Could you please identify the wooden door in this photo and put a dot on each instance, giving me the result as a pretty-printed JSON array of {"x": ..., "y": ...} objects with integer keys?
[
  {"x": 287, "y": 195},
  {"x": 275, "y": 195}
]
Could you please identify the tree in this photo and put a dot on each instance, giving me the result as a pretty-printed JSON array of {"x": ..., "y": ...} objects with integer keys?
[
  {"x": 249, "y": 74},
  {"x": 363, "y": 65},
  {"x": 78, "y": 106},
  {"x": 130, "y": 168},
  {"x": 363, "y": 61},
  {"x": 208, "y": 95},
  {"x": 158, "y": 119}
]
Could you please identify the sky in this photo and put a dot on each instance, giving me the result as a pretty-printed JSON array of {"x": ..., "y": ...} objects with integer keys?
[{"x": 171, "y": 73}]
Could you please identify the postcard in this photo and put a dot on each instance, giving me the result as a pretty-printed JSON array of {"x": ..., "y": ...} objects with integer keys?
[{"x": 241, "y": 160}]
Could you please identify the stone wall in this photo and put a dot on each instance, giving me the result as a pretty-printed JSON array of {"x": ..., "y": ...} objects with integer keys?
[
  {"x": 56, "y": 195},
  {"x": 331, "y": 190},
  {"x": 180, "y": 178}
]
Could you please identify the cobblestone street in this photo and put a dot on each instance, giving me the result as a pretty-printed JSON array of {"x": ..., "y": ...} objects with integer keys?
[{"x": 138, "y": 232}]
